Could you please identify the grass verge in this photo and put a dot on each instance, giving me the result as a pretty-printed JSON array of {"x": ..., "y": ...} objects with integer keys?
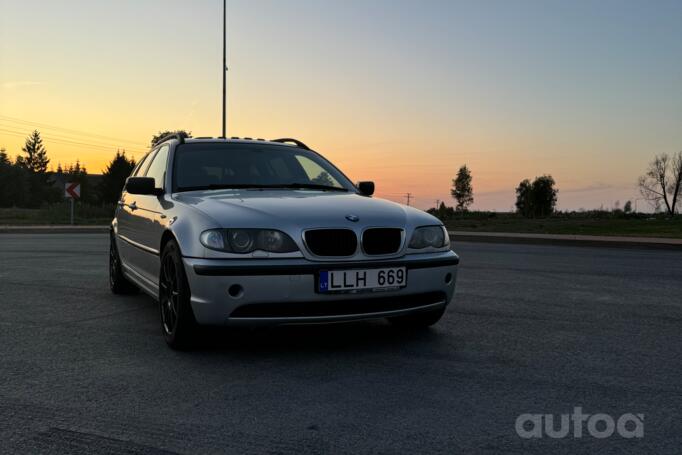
[
  {"x": 634, "y": 225},
  {"x": 58, "y": 214}
]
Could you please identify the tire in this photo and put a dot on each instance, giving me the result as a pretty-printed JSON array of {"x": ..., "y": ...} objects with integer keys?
[
  {"x": 118, "y": 283},
  {"x": 177, "y": 319},
  {"x": 418, "y": 320}
]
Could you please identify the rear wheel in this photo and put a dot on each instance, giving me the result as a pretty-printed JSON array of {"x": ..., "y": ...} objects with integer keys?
[
  {"x": 118, "y": 283},
  {"x": 177, "y": 319},
  {"x": 418, "y": 320}
]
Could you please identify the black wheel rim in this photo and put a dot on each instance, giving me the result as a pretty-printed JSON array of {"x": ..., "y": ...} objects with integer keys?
[
  {"x": 113, "y": 263},
  {"x": 169, "y": 295}
]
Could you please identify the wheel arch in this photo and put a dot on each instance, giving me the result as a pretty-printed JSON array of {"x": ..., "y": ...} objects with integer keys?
[{"x": 167, "y": 236}]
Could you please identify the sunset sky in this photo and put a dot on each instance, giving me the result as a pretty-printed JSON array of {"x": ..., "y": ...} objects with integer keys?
[{"x": 398, "y": 92}]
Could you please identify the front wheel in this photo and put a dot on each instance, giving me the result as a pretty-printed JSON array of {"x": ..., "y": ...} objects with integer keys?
[
  {"x": 177, "y": 319},
  {"x": 418, "y": 320}
]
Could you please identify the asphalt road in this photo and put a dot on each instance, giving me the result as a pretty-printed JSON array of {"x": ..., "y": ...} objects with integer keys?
[{"x": 532, "y": 329}]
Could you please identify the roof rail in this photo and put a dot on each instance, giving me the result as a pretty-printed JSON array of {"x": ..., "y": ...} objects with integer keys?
[
  {"x": 293, "y": 141},
  {"x": 179, "y": 136}
]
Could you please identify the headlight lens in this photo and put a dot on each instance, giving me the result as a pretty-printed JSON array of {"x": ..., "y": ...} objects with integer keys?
[
  {"x": 241, "y": 240},
  {"x": 213, "y": 240},
  {"x": 429, "y": 236},
  {"x": 247, "y": 240}
]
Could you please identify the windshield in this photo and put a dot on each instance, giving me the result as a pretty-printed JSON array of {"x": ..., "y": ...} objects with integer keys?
[{"x": 213, "y": 165}]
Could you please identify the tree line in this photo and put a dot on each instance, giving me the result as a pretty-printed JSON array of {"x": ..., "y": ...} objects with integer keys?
[
  {"x": 660, "y": 186},
  {"x": 535, "y": 199},
  {"x": 26, "y": 182}
]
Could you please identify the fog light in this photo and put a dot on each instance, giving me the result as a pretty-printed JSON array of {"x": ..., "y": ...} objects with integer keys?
[{"x": 235, "y": 291}]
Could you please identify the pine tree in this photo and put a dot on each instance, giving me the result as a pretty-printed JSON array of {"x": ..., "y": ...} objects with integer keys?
[
  {"x": 36, "y": 159},
  {"x": 4, "y": 159},
  {"x": 462, "y": 190},
  {"x": 77, "y": 173},
  {"x": 114, "y": 177},
  {"x": 35, "y": 163},
  {"x": 14, "y": 182}
]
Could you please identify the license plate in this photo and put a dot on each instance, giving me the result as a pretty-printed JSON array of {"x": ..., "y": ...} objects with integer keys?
[{"x": 362, "y": 280}]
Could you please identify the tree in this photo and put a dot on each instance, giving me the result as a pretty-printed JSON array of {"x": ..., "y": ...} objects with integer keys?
[
  {"x": 662, "y": 182},
  {"x": 35, "y": 163},
  {"x": 114, "y": 177},
  {"x": 462, "y": 190},
  {"x": 537, "y": 199},
  {"x": 13, "y": 182},
  {"x": 627, "y": 208},
  {"x": 524, "y": 198},
  {"x": 323, "y": 178},
  {"x": 544, "y": 196},
  {"x": 161, "y": 134},
  {"x": 4, "y": 159},
  {"x": 36, "y": 159},
  {"x": 79, "y": 174},
  {"x": 442, "y": 212}
]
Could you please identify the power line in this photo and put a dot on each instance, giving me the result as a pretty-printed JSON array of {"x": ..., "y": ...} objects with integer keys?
[
  {"x": 49, "y": 138},
  {"x": 59, "y": 137},
  {"x": 68, "y": 130}
]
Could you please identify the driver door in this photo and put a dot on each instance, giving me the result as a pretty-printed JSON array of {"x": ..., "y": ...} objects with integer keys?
[{"x": 147, "y": 221}]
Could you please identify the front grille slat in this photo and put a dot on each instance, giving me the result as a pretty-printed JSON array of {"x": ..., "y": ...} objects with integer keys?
[
  {"x": 380, "y": 241},
  {"x": 331, "y": 242}
]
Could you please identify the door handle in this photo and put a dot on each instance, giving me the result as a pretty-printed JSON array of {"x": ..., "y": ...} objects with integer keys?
[{"x": 132, "y": 206}]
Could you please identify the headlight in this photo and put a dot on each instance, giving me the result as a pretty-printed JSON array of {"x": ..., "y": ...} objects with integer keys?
[
  {"x": 429, "y": 236},
  {"x": 247, "y": 240}
]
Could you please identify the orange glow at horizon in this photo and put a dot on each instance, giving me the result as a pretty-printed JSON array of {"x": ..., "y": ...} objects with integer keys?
[{"x": 404, "y": 97}]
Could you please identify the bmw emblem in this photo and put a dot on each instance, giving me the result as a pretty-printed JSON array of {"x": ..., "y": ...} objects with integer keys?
[{"x": 353, "y": 218}]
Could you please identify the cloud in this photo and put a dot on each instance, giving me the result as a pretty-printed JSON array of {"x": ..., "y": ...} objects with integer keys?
[
  {"x": 10, "y": 85},
  {"x": 599, "y": 186}
]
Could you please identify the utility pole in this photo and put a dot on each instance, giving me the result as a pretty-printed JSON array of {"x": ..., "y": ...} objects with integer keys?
[
  {"x": 224, "y": 69},
  {"x": 408, "y": 196},
  {"x": 437, "y": 203}
]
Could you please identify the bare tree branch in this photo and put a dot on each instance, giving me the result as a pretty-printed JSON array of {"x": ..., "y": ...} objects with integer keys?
[
  {"x": 676, "y": 184},
  {"x": 662, "y": 181}
]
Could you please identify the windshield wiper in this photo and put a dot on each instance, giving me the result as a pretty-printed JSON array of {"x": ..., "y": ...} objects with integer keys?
[
  {"x": 308, "y": 186},
  {"x": 239, "y": 186}
]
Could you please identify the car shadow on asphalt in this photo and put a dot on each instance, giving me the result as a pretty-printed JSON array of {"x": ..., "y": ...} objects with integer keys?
[{"x": 313, "y": 338}]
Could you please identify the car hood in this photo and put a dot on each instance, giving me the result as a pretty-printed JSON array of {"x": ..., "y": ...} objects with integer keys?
[{"x": 301, "y": 209}]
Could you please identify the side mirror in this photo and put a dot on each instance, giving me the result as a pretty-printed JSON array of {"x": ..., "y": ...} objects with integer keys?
[
  {"x": 366, "y": 188},
  {"x": 141, "y": 185}
]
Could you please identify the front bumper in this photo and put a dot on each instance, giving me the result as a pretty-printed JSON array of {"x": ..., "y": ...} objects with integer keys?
[{"x": 282, "y": 291}]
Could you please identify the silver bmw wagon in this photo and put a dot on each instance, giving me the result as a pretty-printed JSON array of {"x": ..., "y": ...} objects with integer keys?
[{"x": 246, "y": 232}]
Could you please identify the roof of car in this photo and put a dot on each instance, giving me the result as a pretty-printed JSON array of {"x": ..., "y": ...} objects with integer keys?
[
  {"x": 283, "y": 141},
  {"x": 229, "y": 139}
]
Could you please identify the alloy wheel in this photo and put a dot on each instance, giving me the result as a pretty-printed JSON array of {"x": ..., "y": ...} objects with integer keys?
[
  {"x": 113, "y": 263},
  {"x": 170, "y": 295}
]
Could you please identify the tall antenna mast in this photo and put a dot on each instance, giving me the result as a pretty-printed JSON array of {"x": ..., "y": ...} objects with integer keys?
[{"x": 224, "y": 71}]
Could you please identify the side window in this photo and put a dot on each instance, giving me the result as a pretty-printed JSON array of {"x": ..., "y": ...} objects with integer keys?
[
  {"x": 141, "y": 165},
  {"x": 157, "y": 169}
]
